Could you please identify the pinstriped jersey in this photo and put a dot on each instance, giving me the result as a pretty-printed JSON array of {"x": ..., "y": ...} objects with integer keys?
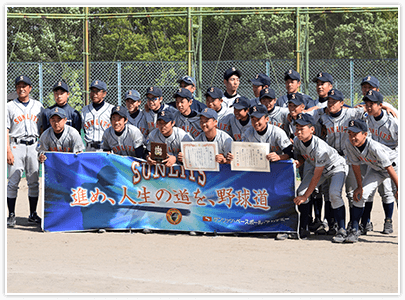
[
  {"x": 223, "y": 140},
  {"x": 151, "y": 116},
  {"x": 173, "y": 142},
  {"x": 140, "y": 122},
  {"x": 24, "y": 121},
  {"x": 95, "y": 122},
  {"x": 384, "y": 130},
  {"x": 275, "y": 136},
  {"x": 188, "y": 124},
  {"x": 124, "y": 144},
  {"x": 234, "y": 127},
  {"x": 70, "y": 141}
]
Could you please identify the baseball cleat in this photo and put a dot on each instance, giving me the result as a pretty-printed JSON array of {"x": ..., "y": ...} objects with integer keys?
[
  {"x": 353, "y": 236},
  {"x": 11, "y": 221},
  {"x": 388, "y": 227},
  {"x": 340, "y": 236},
  {"x": 34, "y": 218}
]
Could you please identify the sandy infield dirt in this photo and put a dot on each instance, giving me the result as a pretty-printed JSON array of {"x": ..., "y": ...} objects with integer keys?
[{"x": 123, "y": 262}]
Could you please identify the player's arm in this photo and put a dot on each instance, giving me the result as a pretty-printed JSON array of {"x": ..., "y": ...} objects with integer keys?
[
  {"x": 287, "y": 154},
  {"x": 394, "y": 177},
  {"x": 10, "y": 156},
  {"x": 358, "y": 192},
  {"x": 312, "y": 185}
]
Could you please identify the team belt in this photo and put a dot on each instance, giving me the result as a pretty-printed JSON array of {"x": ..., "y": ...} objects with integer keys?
[
  {"x": 96, "y": 145},
  {"x": 25, "y": 142}
]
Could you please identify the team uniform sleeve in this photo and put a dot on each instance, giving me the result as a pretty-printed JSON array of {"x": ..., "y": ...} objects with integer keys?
[
  {"x": 227, "y": 148},
  {"x": 105, "y": 145},
  {"x": 78, "y": 145},
  {"x": 42, "y": 145}
]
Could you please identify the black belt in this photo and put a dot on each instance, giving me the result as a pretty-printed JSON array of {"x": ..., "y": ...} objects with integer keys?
[
  {"x": 30, "y": 142},
  {"x": 95, "y": 145}
]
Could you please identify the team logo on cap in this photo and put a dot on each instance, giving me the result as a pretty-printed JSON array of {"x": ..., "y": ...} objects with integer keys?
[
  {"x": 351, "y": 123},
  {"x": 212, "y": 90},
  {"x": 237, "y": 100},
  {"x": 266, "y": 91},
  {"x": 151, "y": 88},
  {"x": 233, "y": 69},
  {"x": 205, "y": 110},
  {"x": 56, "y": 109},
  {"x": 163, "y": 113},
  {"x": 96, "y": 81},
  {"x": 370, "y": 92},
  {"x": 299, "y": 116},
  {"x": 21, "y": 77},
  {"x": 179, "y": 91},
  {"x": 368, "y": 78},
  {"x": 130, "y": 93},
  {"x": 254, "y": 108},
  {"x": 59, "y": 83},
  {"x": 332, "y": 92},
  {"x": 257, "y": 76},
  {"x": 320, "y": 74},
  {"x": 289, "y": 71},
  {"x": 117, "y": 108},
  {"x": 293, "y": 96}
]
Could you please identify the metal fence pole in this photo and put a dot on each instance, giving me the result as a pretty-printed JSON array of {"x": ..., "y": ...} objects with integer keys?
[
  {"x": 41, "y": 83},
  {"x": 351, "y": 81},
  {"x": 199, "y": 93},
  {"x": 297, "y": 30},
  {"x": 119, "y": 82},
  {"x": 86, "y": 54},
  {"x": 190, "y": 33}
]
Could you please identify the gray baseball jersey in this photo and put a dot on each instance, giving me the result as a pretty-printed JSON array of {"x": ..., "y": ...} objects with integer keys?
[
  {"x": 173, "y": 142},
  {"x": 24, "y": 121},
  {"x": 140, "y": 122},
  {"x": 70, "y": 141},
  {"x": 222, "y": 113},
  {"x": 124, "y": 144},
  {"x": 278, "y": 117},
  {"x": 234, "y": 127},
  {"x": 223, "y": 140},
  {"x": 275, "y": 136},
  {"x": 384, "y": 130},
  {"x": 95, "y": 122},
  {"x": 151, "y": 116},
  {"x": 188, "y": 124}
]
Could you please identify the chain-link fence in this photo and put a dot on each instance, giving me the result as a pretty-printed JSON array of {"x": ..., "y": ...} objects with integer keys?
[{"x": 132, "y": 48}]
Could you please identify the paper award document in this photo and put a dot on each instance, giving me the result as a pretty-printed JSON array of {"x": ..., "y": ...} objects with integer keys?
[
  {"x": 200, "y": 156},
  {"x": 250, "y": 157}
]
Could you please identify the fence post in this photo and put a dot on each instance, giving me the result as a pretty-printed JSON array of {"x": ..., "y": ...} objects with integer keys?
[
  {"x": 306, "y": 77},
  {"x": 190, "y": 33},
  {"x": 119, "y": 82},
  {"x": 41, "y": 83},
  {"x": 351, "y": 81},
  {"x": 297, "y": 30},
  {"x": 199, "y": 93},
  {"x": 86, "y": 54}
]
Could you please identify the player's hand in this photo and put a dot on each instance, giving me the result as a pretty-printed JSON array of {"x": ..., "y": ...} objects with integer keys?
[
  {"x": 229, "y": 157},
  {"x": 273, "y": 156},
  {"x": 359, "y": 105},
  {"x": 10, "y": 158},
  {"x": 42, "y": 157},
  {"x": 299, "y": 200},
  {"x": 180, "y": 157},
  {"x": 170, "y": 161},
  {"x": 219, "y": 158},
  {"x": 396, "y": 195},
  {"x": 357, "y": 194},
  {"x": 297, "y": 163},
  {"x": 150, "y": 161},
  {"x": 390, "y": 111}
]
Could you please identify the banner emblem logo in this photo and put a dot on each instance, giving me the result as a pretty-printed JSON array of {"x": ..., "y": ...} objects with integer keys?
[{"x": 173, "y": 216}]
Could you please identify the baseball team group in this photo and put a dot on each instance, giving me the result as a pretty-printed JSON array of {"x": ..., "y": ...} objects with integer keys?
[{"x": 332, "y": 144}]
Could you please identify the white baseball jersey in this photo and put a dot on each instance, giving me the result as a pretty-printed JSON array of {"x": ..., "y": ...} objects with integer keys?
[
  {"x": 124, "y": 144},
  {"x": 222, "y": 113},
  {"x": 275, "y": 136},
  {"x": 70, "y": 141},
  {"x": 223, "y": 140},
  {"x": 234, "y": 126},
  {"x": 95, "y": 122},
  {"x": 188, "y": 124},
  {"x": 140, "y": 122},
  {"x": 151, "y": 116},
  {"x": 384, "y": 130},
  {"x": 229, "y": 101},
  {"x": 173, "y": 142},
  {"x": 24, "y": 121}
]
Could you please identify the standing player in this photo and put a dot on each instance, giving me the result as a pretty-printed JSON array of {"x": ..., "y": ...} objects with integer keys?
[
  {"x": 324, "y": 83},
  {"x": 60, "y": 137},
  {"x": 260, "y": 82},
  {"x": 135, "y": 115},
  {"x": 96, "y": 116},
  {"x": 214, "y": 100},
  {"x": 239, "y": 121},
  {"x": 278, "y": 116},
  {"x": 186, "y": 118},
  {"x": 188, "y": 82},
  {"x": 23, "y": 126},
  {"x": 231, "y": 81},
  {"x": 122, "y": 138}
]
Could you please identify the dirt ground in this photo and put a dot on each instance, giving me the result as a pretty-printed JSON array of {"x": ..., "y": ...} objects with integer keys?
[{"x": 123, "y": 262}]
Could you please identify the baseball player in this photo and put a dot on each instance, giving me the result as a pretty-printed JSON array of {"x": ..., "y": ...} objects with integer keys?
[
  {"x": 263, "y": 132},
  {"x": 60, "y": 137},
  {"x": 278, "y": 116},
  {"x": 295, "y": 106},
  {"x": 24, "y": 116},
  {"x": 324, "y": 83},
  {"x": 260, "y": 82},
  {"x": 167, "y": 134},
  {"x": 382, "y": 169},
  {"x": 188, "y": 82},
  {"x": 136, "y": 116},
  {"x": 208, "y": 122},
  {"x": 328, "y": 165},
  {"x": 231, "y": 81},
  {"x": 123, "y": 138},
  {"x": 186, "y": 118},
  {"x": 96, "y": 116},
  {"x": 214, "y": 100},
  {"x": 239, "y": 121},
  {"x": 61, "y": 95}
]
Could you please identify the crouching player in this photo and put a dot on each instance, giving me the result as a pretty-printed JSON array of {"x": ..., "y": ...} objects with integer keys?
[
  {"x": 328, "y": 165},
  {"x": 382, "y": 166},
  {"x": 59, "y": 137}
]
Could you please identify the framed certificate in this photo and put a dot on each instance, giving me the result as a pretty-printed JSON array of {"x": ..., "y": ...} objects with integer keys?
[
  {"x": 250, "y": 157},
  {"x": 200, "y": 156},
  {"x": 158, "y": 151}
]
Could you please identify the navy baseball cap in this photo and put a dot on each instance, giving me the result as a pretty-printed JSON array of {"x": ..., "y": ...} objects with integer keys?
[
  {"x": 373, "y": 96},
  {"x": 209, "y": 113},
  {"x": 133, "y": 94},
  {"x": 258, "y": 111},
  {"x": 165, "y": 115},
  {"x": 121, "y": 110},
  {"x": 99, "y": 84},
  {"x": 357, "y": 126},
  {"x": 323, "y": 76},
  {"x": 260, "y": 80},
  {"x": 58, "y": 112},
  {"x": 305, "y": 119},
  {"x": 268, "y": 92},
  {"x": 187, "y": 79},
  {"x": 295, "y": 98},
  {"x": 371, "y": 80},
  {"x": 23, "y": 78},
  {"x": 214, "y": 92},
  {"x": 336, "y": 95},
  {"x": 183, "y": 93},
  {"x": 232, "y": 71},
  {"x": 155, "y": 91},
  {"x": 61, "y": 85},
  {"x": 294, "y": 75},
  {"x": 241, "y": 103}
]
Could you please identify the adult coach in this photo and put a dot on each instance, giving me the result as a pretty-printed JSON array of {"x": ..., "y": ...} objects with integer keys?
[{"x": 23, "y": 125}]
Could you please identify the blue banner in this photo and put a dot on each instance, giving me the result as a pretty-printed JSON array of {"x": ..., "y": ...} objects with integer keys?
[{"x": 99, "y": 190}]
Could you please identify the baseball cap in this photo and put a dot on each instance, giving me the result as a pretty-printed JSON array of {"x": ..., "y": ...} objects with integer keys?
[
  {"x": 99, "y": 84},
  {"x": 165, "y": 115},
  {"x": 121, "y": 110},
  {"x": 58, "y": 112},
  {"x": 357, "y": 126},
  {"x": 214, "y": 92},
  {"x": 231, "y": 71},
  {"x": 155, "y": 91},
  {"x": 268, "y": 92},
  {"x": 305, "y": 119},
  {"x": 295, "y": 98},
  {"x": 133, "y": 94},
  {"x": 183, "y": 93},
  {"x": 209, "y": 113},
  {"x": 373, "y": 96},
  {"x": 260, "y": 80},
  {"x": 61, "y": 85},
  {"x": 187, "y": 79},
  {"x": 294, "y": 75},
  {"x": 323, "y": 76},
  {"x": 241, "y": 103},
  {"x": 336, "y": 95},
  {"x": 23, "y": 78},
  {"x": 371, "y": 80},
  {"x": 258, "y": 111}
]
